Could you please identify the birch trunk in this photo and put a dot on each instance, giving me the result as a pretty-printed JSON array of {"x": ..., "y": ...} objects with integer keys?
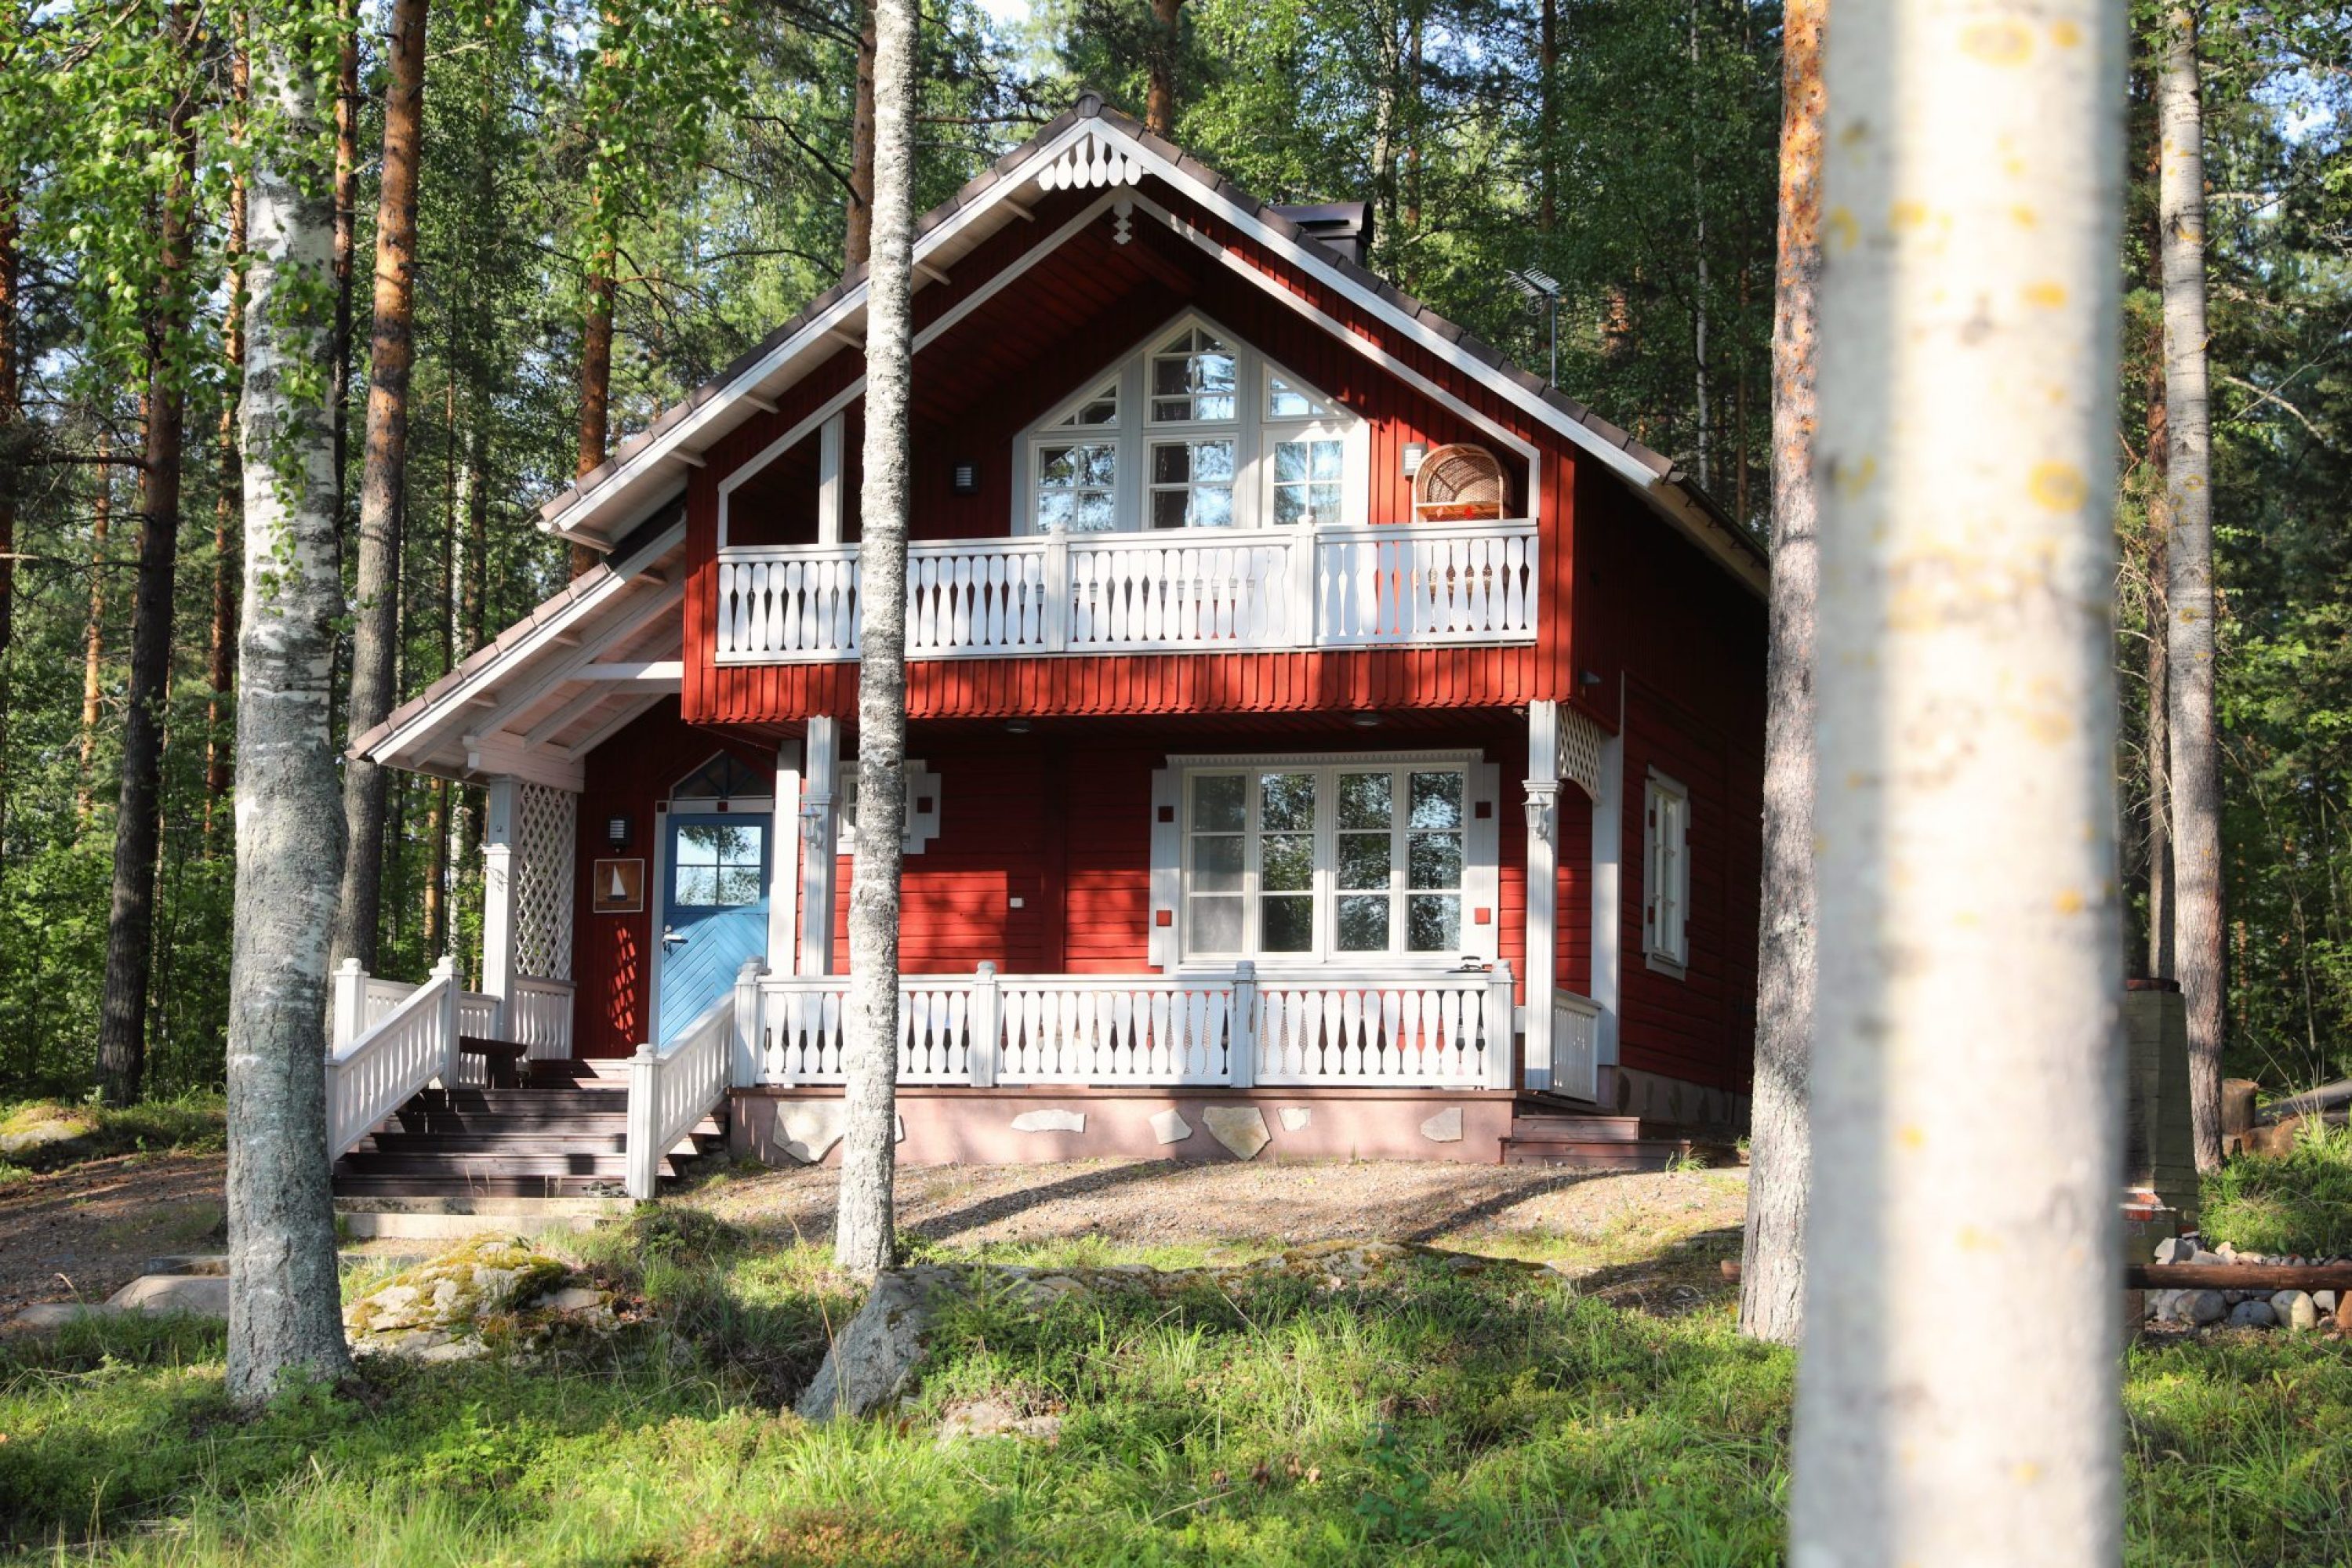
[
  {"x": 1772, "y": 1271},
  {"x": 865, "y": 1241},
  {"x": 285, "y": 1317},
  {"x": 130, "y": 913},
  {"x": 220, "y": 653},
  {"x": 93, "y": 631},
  {"x": 391, "y": 353},
  {"x": 1966, "y": 1114},
  {"x": 2196, "y": 782},
  {"x": 11, "y": 411}
]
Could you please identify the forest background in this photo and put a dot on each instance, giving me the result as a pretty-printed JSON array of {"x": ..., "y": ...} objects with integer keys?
[{"x": 1624, "y": 149}]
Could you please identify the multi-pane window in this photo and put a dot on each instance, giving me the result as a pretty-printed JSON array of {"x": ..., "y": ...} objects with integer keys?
[
  {"x": 1193, "y": 484},
  {"x": 1308, "y": 478},
  {"x": 1194, "y": 431},
  {"x": 1332, "y": 861},
  {"x": 718, "y": 865},
  {"x": 1195, "y": 377},
  {"x": 1666, "y": 872},
  {"x": 1077, "y": 487}
]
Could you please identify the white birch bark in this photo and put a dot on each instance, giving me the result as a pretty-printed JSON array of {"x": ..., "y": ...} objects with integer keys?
[
  {"x": 864, "y": 1235},
  {"x": 2195, "y": 757},
  {"x": 1966, "y": 1092},
  {"x": 285, "y": 1303}
]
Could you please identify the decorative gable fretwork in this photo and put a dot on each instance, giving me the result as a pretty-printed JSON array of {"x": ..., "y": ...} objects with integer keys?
[
  {"x": 546, "y": 822},
  {"x": 1092, "y": 161}
]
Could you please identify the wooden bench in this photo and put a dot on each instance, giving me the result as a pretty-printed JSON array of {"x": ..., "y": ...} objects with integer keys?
[{"x": 502, "y": 1059}]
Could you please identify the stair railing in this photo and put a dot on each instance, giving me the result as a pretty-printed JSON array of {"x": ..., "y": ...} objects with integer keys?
[
  {"x": 371, "y": 1077},
  {"x": 672, "y": 1088}
]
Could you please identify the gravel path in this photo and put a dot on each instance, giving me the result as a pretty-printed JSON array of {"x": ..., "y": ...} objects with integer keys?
[{"x": 85, "y": 1231}]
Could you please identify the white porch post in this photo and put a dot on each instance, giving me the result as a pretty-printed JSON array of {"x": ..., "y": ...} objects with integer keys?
[
  {"x": 784, "y": 861},
  {"x": 1608, "y": 863},
  {"x": 743, "y": 1066},
  {"x": 348, "y": 1019},
  {"x": 498, "y": 895},
  {"x": 987, "y": 1025},
  {"x": 1241, "y": 1028},
  {"x": 1542, "y": 966},
  {"x": 1499, "y": 1024},
  {"x": 820, "y": 821}
]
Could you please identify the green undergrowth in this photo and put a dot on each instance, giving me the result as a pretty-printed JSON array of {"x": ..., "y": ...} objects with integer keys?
[
  {"x": 2296, "y": 1203},
  {"x": 1432, "y": 1418},
  {"x": 50, "y": 1134}
]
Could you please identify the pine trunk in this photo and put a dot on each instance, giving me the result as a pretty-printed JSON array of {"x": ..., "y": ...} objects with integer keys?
[
  {"x": 285, "y": 1316},
  {"x": 220, "y": 661},
  {"x": 595, "y": 378},
  {"x": 2196, "y": 783},
  {"x": 346, "y": 241},
  {"x": 1159, "y": 92},
  {"x": 11, "y": 411},
  {"x": 1772, "y": 1273},
  {"x": 2159, "y": 770},
  {"x": 865, "y": 1241},
  {"x": 392, "y": 353},
  {"x": 93, "y": 631},
  {"x": 131, "y": 913},
  {"x": 857, "y": 237},
  {"x": 1966, "y": 1107}
]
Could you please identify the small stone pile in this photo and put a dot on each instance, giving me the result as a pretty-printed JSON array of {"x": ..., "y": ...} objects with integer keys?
[
  {"x": 489, "y": 1295},
  {"x": 2297, "y": 1311}
]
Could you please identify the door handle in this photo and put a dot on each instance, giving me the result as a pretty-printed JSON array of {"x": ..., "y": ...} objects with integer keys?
[{"x": 671, "y": 940}]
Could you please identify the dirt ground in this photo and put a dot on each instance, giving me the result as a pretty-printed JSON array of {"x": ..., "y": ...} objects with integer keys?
[{"x": 81, "y": 1233}]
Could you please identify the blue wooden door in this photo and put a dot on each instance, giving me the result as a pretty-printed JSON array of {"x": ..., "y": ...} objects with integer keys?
[{"x": 714, "y": 913}]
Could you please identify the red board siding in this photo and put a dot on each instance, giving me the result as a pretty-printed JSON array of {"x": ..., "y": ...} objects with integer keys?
[
  {"x": 1686, "y": 646},
  {"x": 631, "y": 772}
]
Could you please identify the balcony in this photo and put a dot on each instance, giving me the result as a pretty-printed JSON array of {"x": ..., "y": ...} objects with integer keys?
[{"x": 1260, "y": 591}]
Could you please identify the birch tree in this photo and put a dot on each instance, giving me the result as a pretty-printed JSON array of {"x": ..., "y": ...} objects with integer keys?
[
  {"x": 383, "y": 474},
  {"x": 1966, "y": 1116},
  {"x": 1772, "y": 1272},
  {"x": 2195, "y": 752},
  {"x": 285, "y": 1319},
  {"x": 864, "y": 1239}
]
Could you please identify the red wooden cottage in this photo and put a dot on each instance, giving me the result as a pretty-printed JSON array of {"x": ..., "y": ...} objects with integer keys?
[{"x": 1332, "y": 741}]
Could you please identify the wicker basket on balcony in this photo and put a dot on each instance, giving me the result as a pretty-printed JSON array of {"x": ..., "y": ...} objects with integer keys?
[{"x": 1458, "y": 483}]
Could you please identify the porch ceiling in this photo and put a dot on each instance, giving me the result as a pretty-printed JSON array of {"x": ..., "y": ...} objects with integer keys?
[{"x": 533, "y": 704}]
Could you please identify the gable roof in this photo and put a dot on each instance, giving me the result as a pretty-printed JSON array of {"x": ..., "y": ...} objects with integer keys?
[{"x": 649, "y": 469}]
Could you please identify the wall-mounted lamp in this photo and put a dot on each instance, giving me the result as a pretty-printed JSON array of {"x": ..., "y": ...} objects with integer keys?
[
  {"x": 963, "y": 480},
  {"x": 1016, "y": 726},
  {"x": 1414, "y": 451},
  {"x": 1588, "y": 678},
  {"x": 617, "y": 831},
  {"x": 1365, "y": 720}
]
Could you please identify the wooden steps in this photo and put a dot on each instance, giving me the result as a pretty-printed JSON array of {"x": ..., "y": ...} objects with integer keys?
[
  {"x": 1549, "y": 1131},
  {"x": 564, "y": 1134}
]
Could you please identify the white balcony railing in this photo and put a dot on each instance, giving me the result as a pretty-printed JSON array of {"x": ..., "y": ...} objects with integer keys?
[
  {"x": 1263, "y": 590},
  {"x": 1236, "y": 1028}
]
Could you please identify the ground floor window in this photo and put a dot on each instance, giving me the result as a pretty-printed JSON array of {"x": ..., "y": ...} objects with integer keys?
[{"x": 1326, "y": 859}]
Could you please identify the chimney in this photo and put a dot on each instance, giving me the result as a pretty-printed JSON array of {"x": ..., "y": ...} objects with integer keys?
[{"x": 1345, "y": 227}]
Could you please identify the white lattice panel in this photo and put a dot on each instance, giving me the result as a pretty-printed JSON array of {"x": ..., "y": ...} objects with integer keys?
[
  {"x": 546, "y": 846},
  {"x": 1580, "y": 751}
]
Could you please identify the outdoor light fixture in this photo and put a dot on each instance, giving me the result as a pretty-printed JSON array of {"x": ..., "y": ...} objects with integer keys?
[
  {"x": 1414, "y": 451},
  {"x": 1542, "y": 291},
  {"x": 964, "y": 477},
  {"x": 1588, "y": 678},
  {"x": 1365, "y": 720},
  {"x": 617, "y": 831},
  {"x": 1016, "y": 726}
]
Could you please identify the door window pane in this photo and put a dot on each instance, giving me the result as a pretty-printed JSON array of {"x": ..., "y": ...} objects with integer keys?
[{"x": 718, "y": 865}]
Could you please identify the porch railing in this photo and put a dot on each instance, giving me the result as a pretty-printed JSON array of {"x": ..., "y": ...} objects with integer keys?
[
  {"x": 674, "y": 1087},
  {"x": 1235, "y": 1027},
  {"x": 372, "y": 1076},
  {"x": 1473, "y": 582},
  {"x": 1575, "y": 1044}
]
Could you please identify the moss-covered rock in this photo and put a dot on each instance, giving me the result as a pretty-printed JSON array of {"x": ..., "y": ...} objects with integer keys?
[{"x": 491, "y": 1294}]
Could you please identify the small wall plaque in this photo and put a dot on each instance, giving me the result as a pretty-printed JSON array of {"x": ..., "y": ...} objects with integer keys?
[{"x": 618, "y": 887}]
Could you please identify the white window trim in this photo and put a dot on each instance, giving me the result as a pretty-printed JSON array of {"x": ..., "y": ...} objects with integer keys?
[
  {"x": 922, "y": 827},
  {"x": 1666, "y": 874},
  {"x": 1253, "y": 432},
  {"x": 1480, "y": 871}
]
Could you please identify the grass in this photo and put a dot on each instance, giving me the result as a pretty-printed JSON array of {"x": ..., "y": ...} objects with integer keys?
[
  {"x": 191, "y": 1123},
  {"x": 2295, "y": 1203},
  {"x": 1435, "y": 1419}
]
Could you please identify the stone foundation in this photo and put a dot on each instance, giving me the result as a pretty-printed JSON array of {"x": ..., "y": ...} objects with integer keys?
[
  {"x": 955, "y": 1126},
  {"x": 1653, "y": 1097}
]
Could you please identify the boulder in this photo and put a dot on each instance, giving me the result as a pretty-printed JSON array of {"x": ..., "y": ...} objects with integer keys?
[
  {"x": 2201, "y": 1307},
  {"x": 2175, "y": 1249},
  {"x": 874, "y": 1358},
  {"x": 2252, "y": 1315},
  {"x": 2296, "y": 1309},
  {"x": 2323, "y": 1300},
  {"x": 466, "y": 1303}
]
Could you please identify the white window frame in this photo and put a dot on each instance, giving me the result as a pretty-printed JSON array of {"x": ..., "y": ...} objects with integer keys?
[
  {"x": 922, "y": 827},
  {"x": 1252, "y": 430},
  {"x": 1666, "y": 874},
  {"x": 1171, "y": 873}
]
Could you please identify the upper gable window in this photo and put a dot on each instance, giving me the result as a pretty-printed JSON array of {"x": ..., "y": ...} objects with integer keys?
[{"x": 1196, "y": 429}]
